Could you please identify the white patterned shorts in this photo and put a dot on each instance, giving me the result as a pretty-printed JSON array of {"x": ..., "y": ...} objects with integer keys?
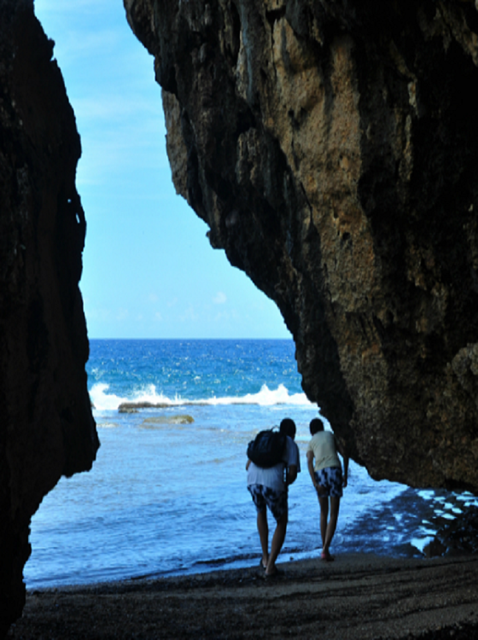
[
  {"x": 330, "y": 481},
  {"x": 265, "y": 496}
]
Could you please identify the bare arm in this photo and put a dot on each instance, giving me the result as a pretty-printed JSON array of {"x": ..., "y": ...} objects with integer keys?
[
  {"x": 291, "y": 474},
  {"x": 248, "y": 464},
  {"x": 346, "y": 469},
  {"x": 344, "y": 455},
  {"x": 310, "y": 467}
]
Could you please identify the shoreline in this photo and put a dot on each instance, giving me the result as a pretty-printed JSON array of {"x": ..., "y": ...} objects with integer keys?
[{"x": 356, "y": 597}]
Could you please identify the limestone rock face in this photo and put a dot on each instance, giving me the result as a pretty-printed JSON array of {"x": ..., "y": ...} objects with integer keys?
[
  {"x": 332, "y": 148},
  {"x": 46, "y": 425}
]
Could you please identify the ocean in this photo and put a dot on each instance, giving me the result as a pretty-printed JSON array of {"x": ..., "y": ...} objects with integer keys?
[{"x": 167, "y": 494}]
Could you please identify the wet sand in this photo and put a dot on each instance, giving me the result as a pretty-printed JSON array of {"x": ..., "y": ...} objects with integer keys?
[{"x": 353, "y": 598}]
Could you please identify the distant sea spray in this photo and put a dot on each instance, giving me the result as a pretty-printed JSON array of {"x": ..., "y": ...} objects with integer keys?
[{"x": 150, "y": 398}]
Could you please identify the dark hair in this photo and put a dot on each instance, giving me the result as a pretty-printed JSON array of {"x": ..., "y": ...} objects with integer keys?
[
  {"x": 315, "y": 426},
  {"x": 287, "y": 426}
]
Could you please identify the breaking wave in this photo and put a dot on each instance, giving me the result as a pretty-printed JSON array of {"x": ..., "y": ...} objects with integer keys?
[{"x": 149, "y": 397}]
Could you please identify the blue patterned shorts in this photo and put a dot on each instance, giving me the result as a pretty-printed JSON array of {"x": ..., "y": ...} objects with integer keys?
[
  {"x": 330, "y": 481},
  {"x": 264, "y": 496}
]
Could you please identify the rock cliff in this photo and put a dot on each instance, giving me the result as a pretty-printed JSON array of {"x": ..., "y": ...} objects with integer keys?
[
  {"x": 332, "y": 148},
  {"x": 46, "y": 425}
]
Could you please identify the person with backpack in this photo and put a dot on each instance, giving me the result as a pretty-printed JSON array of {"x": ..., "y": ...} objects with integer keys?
[
  {"x": 327, "y": 478},
  {"x": 268, "y": 485}
]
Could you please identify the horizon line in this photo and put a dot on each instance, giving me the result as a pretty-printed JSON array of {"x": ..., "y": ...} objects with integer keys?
[{"x": 110, "y": 338}]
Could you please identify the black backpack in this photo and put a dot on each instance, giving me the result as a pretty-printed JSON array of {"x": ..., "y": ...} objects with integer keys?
[{"x": 267, "y": 448}]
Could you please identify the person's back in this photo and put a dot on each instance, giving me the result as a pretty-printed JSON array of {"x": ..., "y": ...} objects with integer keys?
[
  {"x": 273, "y": 477},
  {"x": 326, "y": 476},
  {"x": 324, "y": 449},
  {"x": 268, "y": 488}
]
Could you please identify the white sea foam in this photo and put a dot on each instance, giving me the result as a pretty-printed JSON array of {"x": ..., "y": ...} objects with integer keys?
[
  {"x": 265, "y": 398},
  {"x": 427, "y": 494},
  {"x": 104, "y": 401},
  {"x": 421, "y": 543}
]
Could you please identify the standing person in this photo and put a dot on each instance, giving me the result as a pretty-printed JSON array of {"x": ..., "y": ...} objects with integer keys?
[
  {"x": 269, "y": 488},
  {"x": 327, "y": 479}
]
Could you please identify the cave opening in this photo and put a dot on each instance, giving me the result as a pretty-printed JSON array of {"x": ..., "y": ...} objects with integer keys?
[
  {"x": 149, "y": 278},
  {"x": 134, "y": 487}
]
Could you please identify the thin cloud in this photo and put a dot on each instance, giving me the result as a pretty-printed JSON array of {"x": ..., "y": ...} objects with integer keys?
[
  {"x": 220, "y": 298},
  {"x": 52, "y": 5},
  {"x": 190, "y": 315},
  {"x": 79, "y": 45},
  {"x": 111, "y": 155},
  {"x": 111, "y": 108},
  {"x": 122, "y": 314}
]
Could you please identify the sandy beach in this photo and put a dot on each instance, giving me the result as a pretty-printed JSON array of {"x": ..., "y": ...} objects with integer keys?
[{"x": 356, "y": 597}]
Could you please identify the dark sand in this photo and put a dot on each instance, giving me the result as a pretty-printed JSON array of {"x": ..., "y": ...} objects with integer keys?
[{"x": 355, "y": 597}]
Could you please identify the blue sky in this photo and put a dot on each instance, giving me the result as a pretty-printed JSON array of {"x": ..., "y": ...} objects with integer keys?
[{"x": 149, "y": 270}]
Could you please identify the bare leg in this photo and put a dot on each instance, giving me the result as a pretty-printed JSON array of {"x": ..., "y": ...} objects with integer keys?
[
  {"x": 263, "y": 529},
  {"x": 277, "y": 542},
  {"x": 332, "y": 525},
  {"x": 324, "y": 514}
]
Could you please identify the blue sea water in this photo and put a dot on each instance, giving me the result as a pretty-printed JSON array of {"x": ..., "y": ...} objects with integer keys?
[{"x": 167, "y": 494}]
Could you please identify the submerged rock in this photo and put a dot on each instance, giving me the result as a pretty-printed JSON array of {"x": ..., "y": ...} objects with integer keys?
[
  {"x": 332, "y": 148},
  {"x": 46, "y": 425},
  {"x": 151, "y": 423},
  {"x": 455, "y": 537},
  {"x": 460, "y": 536},
  {"x": 134, "y": 407}
]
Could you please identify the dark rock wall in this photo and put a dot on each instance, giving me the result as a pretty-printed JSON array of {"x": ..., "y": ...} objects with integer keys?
[
  {"x": 332, "y": 147},
  {"x": 46, "y": 425}
]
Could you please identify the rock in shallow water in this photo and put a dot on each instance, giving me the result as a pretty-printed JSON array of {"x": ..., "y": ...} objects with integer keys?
[{"x": 460, "y": 536}]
